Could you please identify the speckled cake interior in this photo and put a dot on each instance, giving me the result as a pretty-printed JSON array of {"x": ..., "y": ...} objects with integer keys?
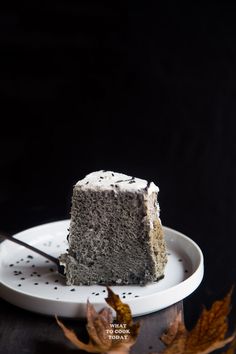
[{"x": 115, "y": 234}]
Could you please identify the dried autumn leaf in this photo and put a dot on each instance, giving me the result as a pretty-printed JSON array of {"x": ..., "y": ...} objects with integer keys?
[
  {"x": 208, "y": 334},
  {"x": 99, "y": 327},
  {"x": 211, "y": 327},
  {"x": 232, "y": 348},
  {"x": 123, "y": 313}
]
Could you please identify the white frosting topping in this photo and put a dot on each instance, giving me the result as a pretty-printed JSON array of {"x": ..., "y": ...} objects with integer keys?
[{"x": 108, "y": 180}]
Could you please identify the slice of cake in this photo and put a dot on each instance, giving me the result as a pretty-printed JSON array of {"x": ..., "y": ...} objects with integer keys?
[{"x": 115, "y": 234}]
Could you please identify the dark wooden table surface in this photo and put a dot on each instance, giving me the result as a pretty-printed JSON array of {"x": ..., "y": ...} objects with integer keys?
[{"x": 23, "y": 332}]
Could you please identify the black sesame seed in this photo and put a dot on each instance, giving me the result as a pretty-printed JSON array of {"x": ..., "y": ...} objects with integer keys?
[
  {"x": 147, "y": 186},
  {"x": 34, "y": 272},
  {"x": 55, "y": 288},
  {"x": 136, "y": 295},
  {"x": 47, "y": 261},
  {"x": 33, "y": 266},
  {"x": 121, "y": 180},
  {"x": 72, "y": 289},
  {"x": 112, "y": 185},
  {"x": 116, "y": 186},
  {"x": 186, "y": 270},
  {"x": 97, "y": 294},
  {"x": 180, "y": 260},
  {"x": 124, "y": 297},
  {"x": 27, "y": 261},
  {"x": 129, "y": 293},
  {"x": 29, "y": 256},
  {"x": 17, "y": 262},
  {"x": 11, "y": 265},
  {"x": 36, "y": 283},
  {"x": 123, "y": 293},
  {"x": 101, "y": 177},
  {"x": 19, "y": 285},
  {"x": 22, "y": 278},
  {"x": 46, "y": 282},
  {"x": 150, "y": 347},
  {"x": 130, "y": 182},
  {"x": 104, "y": 291},
  {"x": 38, "y": 275},
  {"x": 51, "y": 269},
  {"x": 87, "y": 183},
  {"x": 113, "y": 174},
  {"x": 93, "y": 293},
  {"x": 56, "y": 281},
  {"x": 22, "y": 259}
]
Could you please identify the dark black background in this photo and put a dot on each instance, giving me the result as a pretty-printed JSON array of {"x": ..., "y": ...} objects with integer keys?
[{"x": 139, "y": 89}]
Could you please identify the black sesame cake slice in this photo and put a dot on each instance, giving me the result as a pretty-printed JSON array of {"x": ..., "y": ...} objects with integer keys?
[{"x": 115, "y": 234}]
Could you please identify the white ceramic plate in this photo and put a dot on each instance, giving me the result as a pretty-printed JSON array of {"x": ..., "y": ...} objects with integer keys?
[{"x": 31, "y": 282}]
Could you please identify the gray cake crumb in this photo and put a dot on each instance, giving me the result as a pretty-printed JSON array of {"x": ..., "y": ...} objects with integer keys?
[{"x": 115, "y": 234}]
